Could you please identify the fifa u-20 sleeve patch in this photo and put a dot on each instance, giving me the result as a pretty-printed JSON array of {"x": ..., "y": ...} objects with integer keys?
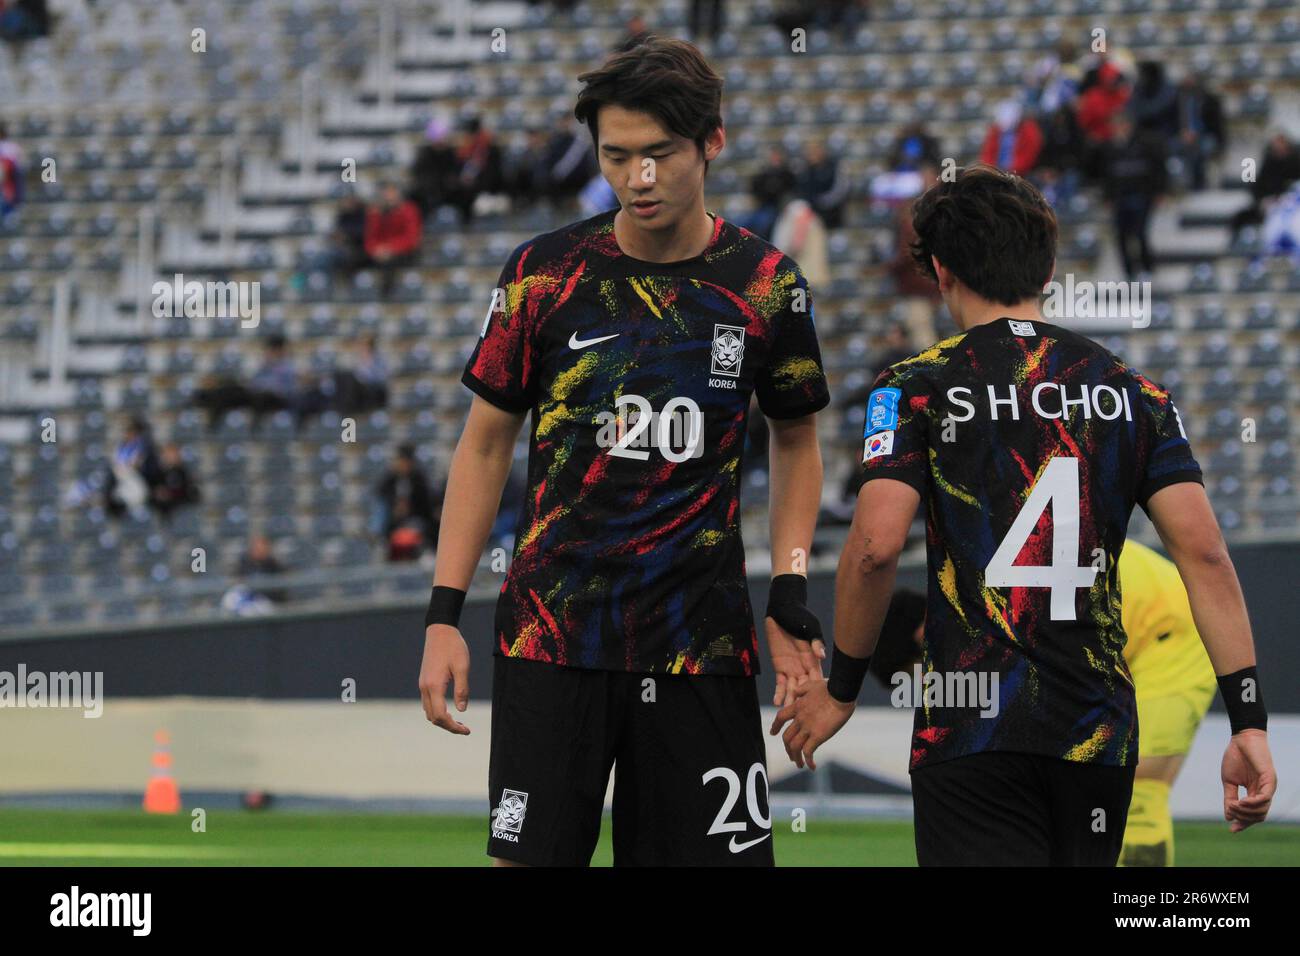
[
  {"x": 502, "y": 367},
  {"x": 882, "y": 422},
  {"x": 894, "y": 434}
]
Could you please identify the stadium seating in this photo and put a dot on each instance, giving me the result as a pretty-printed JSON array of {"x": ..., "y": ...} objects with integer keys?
[{"x": 144, "y": 132}]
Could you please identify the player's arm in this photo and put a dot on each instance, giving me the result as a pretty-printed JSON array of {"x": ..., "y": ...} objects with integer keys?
[
  {"x": 864, "y": 583},
  {"x": 479, "y": 469},
  {"x": 791, "y": 388},
  {"x": 1183, "y": 517},
  {"x": 1185, "y": 521},
  {"x": 868, "y": 565},
  {"x": 794, "y": 635}
]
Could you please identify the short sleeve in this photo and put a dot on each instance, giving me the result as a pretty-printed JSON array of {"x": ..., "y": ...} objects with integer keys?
[
  {"x": 1169, "y": 460},
  {"x": 502, "y": 368},
  {"x": 895, "y": 443},
  {"x": 793, "y": 383}
]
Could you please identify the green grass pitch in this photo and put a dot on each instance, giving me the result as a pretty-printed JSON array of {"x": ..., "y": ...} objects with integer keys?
[{"x": 236, "y": 838}]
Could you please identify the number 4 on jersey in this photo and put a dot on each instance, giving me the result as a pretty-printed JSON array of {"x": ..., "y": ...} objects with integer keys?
[{"x": 1059, "y": 487}]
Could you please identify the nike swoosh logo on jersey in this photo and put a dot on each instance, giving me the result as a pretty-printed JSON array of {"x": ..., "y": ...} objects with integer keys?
[
  {"x": 741, "y": 847},
  {"x": 574, "y": 343}
]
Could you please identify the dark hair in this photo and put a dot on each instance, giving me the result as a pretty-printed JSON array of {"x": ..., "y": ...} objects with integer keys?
[
  {"x": 667, "y": 78},
  {"x": 993, "y": 229},
  {"x": 407, "y": 451},
  {"x": 896, "y": 651}
]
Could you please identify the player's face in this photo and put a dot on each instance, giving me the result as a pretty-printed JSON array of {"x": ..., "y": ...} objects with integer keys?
[{"x": 657, "y": 175}]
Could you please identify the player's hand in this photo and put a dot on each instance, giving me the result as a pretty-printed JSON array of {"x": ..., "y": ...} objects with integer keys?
[
  {"x": 793, "y": 661},
  {"x": 1247, "y": 763},
  {"x": 815, "y": 717},
  {"x": 446, "y": 658}
]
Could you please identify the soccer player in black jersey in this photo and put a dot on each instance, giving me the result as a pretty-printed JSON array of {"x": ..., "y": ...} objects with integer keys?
[
  {"x": 1029, "y": 444},
  {"x": 624, "y": 636}
]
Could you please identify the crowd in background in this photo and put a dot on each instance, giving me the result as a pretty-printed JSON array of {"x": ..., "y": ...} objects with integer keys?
[{"x": 1125, "y": 130}]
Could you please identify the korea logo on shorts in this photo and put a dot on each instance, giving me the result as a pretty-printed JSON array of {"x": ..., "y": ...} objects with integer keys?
[
  {"x": 728, "y": 349},
  {"x": 508, "y": 817}
]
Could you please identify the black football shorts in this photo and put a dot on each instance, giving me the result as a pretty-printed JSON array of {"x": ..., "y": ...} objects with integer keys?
[
  {"x": 1018, "y": 809},
  {"x": 690, "y": 781}
]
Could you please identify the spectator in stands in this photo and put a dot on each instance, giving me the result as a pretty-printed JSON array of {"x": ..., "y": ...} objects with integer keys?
[
  {"x": 800, "y": 234},
  {"x": 22, "y": 20},
  {"x": 363, "y": 387},
  {"x": 845, "y": 15},
  {"x": 770, "y": 187},
  {"x": 523, "y": 175},
  {"x": 597, "y": 197},
  {"x": 1054, "y": 80},
  {"x": 393, "y": 233},
  {"x": 272, "y": 388},
  {"x": 913, "y": 147},
  {"x": 1201, "y": 133},
  {"x": 1059, "y": 162},
  {"x": 1013, "y": 140},
  {"x": 707, "y": 16},
  {"x": 568, "y": 164},
  {"x": 512, "y": 498},
  {"x": 257, "y": 561},
  {"x": 896, "y": 345},
  {"x": 478, "y": 167},
  {"x": 919, "y": 294},
  {"x": 1277, "y": 171},
  {"x": 1153, "y": 105},
  {"x": 175, "y": 486},
  {"x": 433, "y": 173},
  {"x": 1133, "y": 172},
  {"x": 11, "y": 178},
  {"x": 636, "y": 32},
  {"x": 1099, "y": 103},
  {"x": 823, "y": 185},
  {"x": 133, "y": 472},
  {"x": 407, "y": 503},
  {"x": 348, "y": 240}
]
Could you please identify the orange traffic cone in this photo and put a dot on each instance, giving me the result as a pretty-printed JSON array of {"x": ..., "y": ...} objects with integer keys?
[{"x": 162, "y": 795}]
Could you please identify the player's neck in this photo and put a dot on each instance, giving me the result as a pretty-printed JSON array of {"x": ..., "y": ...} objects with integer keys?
[
  {"x": 688, "y": 240},
  {"x": 976, "y": 311}
]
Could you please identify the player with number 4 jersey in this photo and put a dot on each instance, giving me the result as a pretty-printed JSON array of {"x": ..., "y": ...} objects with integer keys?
[{"x": 1029, "y": 445}]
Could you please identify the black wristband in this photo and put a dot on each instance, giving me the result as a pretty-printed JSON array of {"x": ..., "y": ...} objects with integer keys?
[
  {"x": 787, "y": 589},
  {"x": 847, "y": 675},
  {"x": 787, "y": 604},
  {"x": 1242, "y": 698},
  {"x": 444, "y": 606}
]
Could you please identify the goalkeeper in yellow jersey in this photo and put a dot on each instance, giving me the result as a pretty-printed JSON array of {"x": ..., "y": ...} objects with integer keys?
[
  {"x": 1175, "y": 684},
  {"x": 1172, "y": 676}
]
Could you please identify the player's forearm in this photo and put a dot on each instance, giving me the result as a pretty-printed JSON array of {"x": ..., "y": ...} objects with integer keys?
[
  {"x": 1219, "y": 609},
  {"x": 1185, "y": 521},
  {"x": 795, "y": 493},
  {"x": 474, "y": 486},
  {"x": 863, "y": 585}
]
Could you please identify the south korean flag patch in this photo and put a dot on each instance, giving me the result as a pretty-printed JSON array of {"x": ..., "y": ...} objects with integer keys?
[{"x": 881, "y": 443}]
